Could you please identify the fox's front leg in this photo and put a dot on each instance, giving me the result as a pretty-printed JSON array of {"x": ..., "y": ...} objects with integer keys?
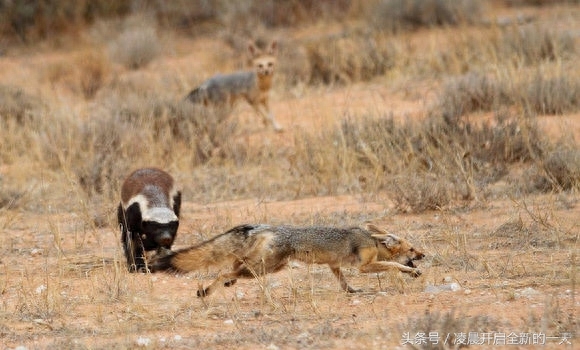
[
  {"x": 379, "y": 266},
  {"x": 264, "y": 110}
]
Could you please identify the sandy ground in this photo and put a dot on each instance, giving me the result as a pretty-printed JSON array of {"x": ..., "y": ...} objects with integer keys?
[
  {"x": 58, "y": 292},
  {"x": 500, "y": 273}
]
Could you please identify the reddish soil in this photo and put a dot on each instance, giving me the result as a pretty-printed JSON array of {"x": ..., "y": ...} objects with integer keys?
[{"x": 513, "y": 262}]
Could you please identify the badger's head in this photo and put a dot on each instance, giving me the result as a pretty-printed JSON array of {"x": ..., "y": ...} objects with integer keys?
[
  {"x": 159, "y": 224},
  {"x": 151, "y": 205}
]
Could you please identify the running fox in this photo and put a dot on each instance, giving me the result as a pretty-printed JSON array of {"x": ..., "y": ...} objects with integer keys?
[
  {"x": 255, "y": 250},
  {"x": 254, "y": 86}
]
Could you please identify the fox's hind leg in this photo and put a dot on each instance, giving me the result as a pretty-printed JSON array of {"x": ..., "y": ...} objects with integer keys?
[
  {"x": 343, "y": 284},
  {"x": 231, "y": 282},
  {"x": 227, "y": 279}
]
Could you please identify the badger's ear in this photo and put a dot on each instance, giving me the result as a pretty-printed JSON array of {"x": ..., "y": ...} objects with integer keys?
[{"x": 177, "y": 203}]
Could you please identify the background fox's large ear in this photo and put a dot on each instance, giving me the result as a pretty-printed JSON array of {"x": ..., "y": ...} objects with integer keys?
[
  {"x": 252, "y": 50},
  {"x": 273, "y": 48}
]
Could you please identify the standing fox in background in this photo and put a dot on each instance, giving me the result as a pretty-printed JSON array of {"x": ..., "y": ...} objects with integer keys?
[
  {"x": 255, "y": 250},
  {"x": 224, "y": 90}
]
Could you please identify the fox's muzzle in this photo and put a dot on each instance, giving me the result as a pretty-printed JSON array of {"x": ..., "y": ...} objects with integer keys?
[{"x": 411, "y": 263}]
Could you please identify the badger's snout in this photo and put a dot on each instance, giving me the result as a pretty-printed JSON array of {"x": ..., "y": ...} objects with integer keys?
[{"x": 164, "y": 239}]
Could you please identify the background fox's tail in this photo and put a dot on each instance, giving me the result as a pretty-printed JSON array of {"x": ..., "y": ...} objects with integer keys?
[
  {"x": 222, "y": 249},
  {"x": 197, "y": 95}
]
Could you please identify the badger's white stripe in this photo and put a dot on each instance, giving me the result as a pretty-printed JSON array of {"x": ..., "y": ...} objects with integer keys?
[{"x": 160, "y": 215}]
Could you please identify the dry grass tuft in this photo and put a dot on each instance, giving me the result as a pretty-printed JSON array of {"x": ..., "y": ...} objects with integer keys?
[
  {"x": 538, "y": 2},
  {"x": 547, "y": 90},
  {"x": 94, "y": 68},
  {"x": 349, "y": 57},
  {"x": 18, "y": 105},
  {"x": 136, "y": 46},
  {"x": 470, "y": 93},
  {"x": 424, "y": 167},
  {"x": 562, "y": 169},
  {"x": 534, "y": 44},
  {"x": 400, "y": 15},
  {"x": 412, "y": 193}
]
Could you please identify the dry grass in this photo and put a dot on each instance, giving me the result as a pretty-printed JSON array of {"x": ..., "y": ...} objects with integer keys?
[
  {"x": 470, "y": 175},
  {"x": 400, "y": 15},
  {"x": 136, "y": 46}
]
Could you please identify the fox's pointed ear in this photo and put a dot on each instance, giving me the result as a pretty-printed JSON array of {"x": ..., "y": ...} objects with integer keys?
[
  {"x": 389, "y": 240},
  {"x": 252, "y": 50},
  {"x": 273, "y": 48},
  {"x": 372, "y": 228}
]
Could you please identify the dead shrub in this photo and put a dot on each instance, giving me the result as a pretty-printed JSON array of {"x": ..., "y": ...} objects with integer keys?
[
  {"x": 508, "y": 140},
  {"x": 93, "y": 71},
  {"x": 546, "y": 91},
  {"x": 540, "y": 232},
  {"x": 472, "y": 92},
  {"x": 277, "y": 13},
  {"x": 18, "y": 105},
  {"x": 34, "y": 20},
  {"x": 92, "y": 151},
  {"x": 349, "y": 57},
  {"x": 534, "y": 44},
  {"x": 549, "y": 93},
  {"x": 401, "y": 15},
  {"x": 209, "y": 133},
  {"x": 562, "y": 169},
  {"x": 419, "y": 193},
  {"x": 136, "y": 46},
  {"x": 294, "y": 65},
  {"x": 425, "y": 166},
  {"x": 539, "y": 2}
]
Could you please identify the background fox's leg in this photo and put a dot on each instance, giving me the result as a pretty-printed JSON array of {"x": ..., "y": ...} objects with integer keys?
[
  {"x": 264, "y": 110},
  {"x": 378, "y": 266},
  {"x": 343, "y": 284}
]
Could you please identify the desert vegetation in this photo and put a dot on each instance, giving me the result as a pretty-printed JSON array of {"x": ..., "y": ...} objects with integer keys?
[{"x": 453, "y": 123}]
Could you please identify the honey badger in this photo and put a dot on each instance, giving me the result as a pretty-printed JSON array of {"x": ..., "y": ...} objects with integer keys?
[{"x": 148, "y": 215}]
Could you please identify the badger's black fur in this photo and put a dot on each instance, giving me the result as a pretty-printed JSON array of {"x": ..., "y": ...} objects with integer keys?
[{"x": 148, "y": 215}]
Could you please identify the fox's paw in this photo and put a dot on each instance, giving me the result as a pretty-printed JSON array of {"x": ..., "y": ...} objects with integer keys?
[
  {"x": 230, "y": 283},
  {"x": 352, "y": 290},
  {"x": 416, "y": 273}
]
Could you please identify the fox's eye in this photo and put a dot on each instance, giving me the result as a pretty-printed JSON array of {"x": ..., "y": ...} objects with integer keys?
[
  {"x": 270, "y": 64},
  {"x": 412, "y": 249}
]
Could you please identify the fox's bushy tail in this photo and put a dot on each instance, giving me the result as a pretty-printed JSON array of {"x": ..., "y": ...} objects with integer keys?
[
  {"x": 222, "y": 249},
  {"x": 197, "y": 95}
]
